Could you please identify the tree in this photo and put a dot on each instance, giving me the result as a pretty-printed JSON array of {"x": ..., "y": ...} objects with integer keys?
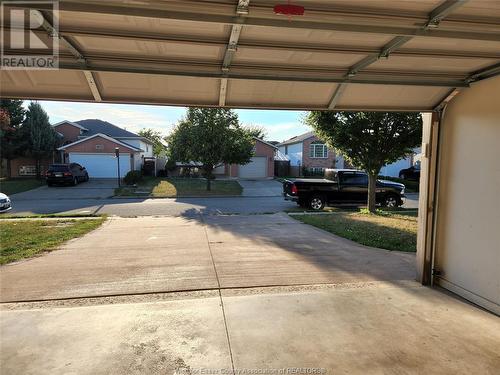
[
  {"x": 369, "y": 140},
  {"x": 210, "y": 136},
  {"x": 156, "y": 138},
  {"x": 41, "y": 138},
  {"x": 256, "y": 131},
  {"x": 11, "y": 117}
]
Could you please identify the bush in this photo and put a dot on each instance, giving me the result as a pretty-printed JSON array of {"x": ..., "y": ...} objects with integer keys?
[
  {"x": 170, "y": 165},
  {"x": 132, "y": 177},
  {"x": 162, "y": 173}
]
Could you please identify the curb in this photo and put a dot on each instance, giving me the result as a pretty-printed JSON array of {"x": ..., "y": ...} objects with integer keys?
[{"x": 195, "y": 196}]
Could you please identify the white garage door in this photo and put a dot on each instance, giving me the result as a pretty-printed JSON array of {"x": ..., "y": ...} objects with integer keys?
[
  {"x": 255, "y": 169},
  {"x": 102, "y": 165}
]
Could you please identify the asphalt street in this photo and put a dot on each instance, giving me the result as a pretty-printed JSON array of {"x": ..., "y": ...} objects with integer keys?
[{"x": 169, "y": 207}]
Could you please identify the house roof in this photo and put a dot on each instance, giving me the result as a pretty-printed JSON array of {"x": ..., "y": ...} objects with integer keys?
[
  {"x": 266, "y": 143},
  {"x": 297, "y": 139},
  {"x": 70, "y": 123},
  {"x": 95, "y": 126},
  {"x": 102, "y": 136}
]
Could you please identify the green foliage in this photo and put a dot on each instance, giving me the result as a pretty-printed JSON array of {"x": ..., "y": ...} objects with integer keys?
[
  {"x": 41, "y": 139},
  {"x": 156, "y": 137},
  {"x": 12, "y": 115},
  {"x": 132, "y": 177},
  {"x": 369, "y": 140},
  {"x": 15, "y": 111},
  {"x": 210, "y": 136},
  {"x": 256, "y": 131},
  {"x": 170, "y": 165}
]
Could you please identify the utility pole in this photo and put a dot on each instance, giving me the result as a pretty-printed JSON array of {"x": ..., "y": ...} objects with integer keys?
[{"x": 117, "y": 154}]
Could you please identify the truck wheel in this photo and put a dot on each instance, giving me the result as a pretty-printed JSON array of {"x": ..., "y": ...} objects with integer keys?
[
  {"x": 390, "y": 201},
  {"x": 317, "y": 202}
]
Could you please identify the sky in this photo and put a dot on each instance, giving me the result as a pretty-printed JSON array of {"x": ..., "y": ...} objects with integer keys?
[{"x": 279, "y": 125}]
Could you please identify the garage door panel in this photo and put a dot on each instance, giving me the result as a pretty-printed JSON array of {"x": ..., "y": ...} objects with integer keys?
[
  {"x": 102, "y": 166},
  {"x": 255, "y": 169}
]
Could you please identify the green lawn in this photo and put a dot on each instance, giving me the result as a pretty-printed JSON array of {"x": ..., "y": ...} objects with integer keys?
[
  {"x": 179, "y": 187},
  {"x": 26, "y": 238},
  {"x": 17, "y": 185},
  {"x": 386, "y": 230}
]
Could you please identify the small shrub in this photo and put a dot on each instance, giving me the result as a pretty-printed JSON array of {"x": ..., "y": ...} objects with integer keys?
[
  {"x": 170, "y": 165},
  {"x": 132, "y": 177},
  {"x": 162, "y": 173}
]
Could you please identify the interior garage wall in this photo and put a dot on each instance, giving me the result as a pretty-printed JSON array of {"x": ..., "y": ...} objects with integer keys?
[{"x": 467, "y": 247}]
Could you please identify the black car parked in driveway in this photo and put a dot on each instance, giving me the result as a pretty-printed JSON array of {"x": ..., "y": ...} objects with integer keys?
[
  {"x": 72, "y": 173},
  {"x": 341, "y": 186},
  {"x": 412, "y": 173}
]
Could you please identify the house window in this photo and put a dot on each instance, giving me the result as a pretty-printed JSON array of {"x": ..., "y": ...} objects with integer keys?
[
  {"x": 318, "y": 150},
  {"x": 99, "y": 147},
  {"x": 317, "y": 171},
  {"x": 27, "y": 170},
  {"x": 286, "y": 149}
]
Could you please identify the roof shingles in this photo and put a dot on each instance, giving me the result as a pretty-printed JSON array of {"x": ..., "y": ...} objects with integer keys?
[{"x": 95, "y": 126}]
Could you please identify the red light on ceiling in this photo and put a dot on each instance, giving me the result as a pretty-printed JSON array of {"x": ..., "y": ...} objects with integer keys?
[{"x": 289, "y": 10}]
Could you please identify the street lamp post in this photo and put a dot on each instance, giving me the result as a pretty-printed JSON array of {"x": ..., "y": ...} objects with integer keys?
[{"x": 117, "y": 154}]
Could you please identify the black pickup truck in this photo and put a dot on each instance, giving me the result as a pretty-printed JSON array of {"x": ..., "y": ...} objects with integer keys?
[{"x": 341, "y": 186}]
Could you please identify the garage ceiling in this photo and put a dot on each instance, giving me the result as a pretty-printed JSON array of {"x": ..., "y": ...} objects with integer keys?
[{"x": 341, "y": 55}]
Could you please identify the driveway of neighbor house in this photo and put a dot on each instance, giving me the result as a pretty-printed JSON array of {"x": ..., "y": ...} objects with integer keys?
[
  {"x": 93, "y": 189},
  {"x": 261, "y": 188},
  {"x": 245, "y": 292}
]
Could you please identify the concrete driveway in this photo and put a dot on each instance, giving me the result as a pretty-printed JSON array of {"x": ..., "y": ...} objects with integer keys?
[
  {"x": 166, "y": 254},
  {"x": 261, "y": 188},
  {"x": 93, "y": 189},
  {"x": 233, "y": 295}
]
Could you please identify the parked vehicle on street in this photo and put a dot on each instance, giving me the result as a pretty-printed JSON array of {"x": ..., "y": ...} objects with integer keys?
[
  {"x": 72, "y": 174},
  {"x": 5, "y": 204},
  {"x": 341, "y": 186},
  {"x": 412, "y": 173}
]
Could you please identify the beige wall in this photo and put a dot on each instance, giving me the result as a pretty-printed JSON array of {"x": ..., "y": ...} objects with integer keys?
[{"x": 468, "y": 214}]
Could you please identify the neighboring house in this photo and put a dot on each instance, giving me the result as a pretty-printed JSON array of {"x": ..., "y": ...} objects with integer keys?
[
  {"x": 261, "y": 165},
  {"x": 92, "y": 143},
  {"x": 392, "y": 170},
  {"x": 309, "y": 152}
]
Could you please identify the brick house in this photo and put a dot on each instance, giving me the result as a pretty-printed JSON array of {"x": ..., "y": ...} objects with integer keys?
[
  {"x": 91, "y": 143},
  {"x": 308, "y": 152}
]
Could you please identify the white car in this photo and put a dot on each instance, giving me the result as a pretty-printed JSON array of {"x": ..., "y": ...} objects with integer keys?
[{"x": 5, "y": 204}]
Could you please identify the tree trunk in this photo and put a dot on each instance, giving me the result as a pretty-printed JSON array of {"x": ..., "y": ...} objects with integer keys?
[
  {"x": 208, "y": 176},
  {"x": 38, "y": 173},
  {"x": 9, "y": 169},
  {"x": 372, "y": 186}
]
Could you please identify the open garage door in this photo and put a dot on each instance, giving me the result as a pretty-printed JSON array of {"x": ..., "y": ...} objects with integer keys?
[
  {"x": 102, "y": 166},
  {"x": 257, "y": 168}
]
